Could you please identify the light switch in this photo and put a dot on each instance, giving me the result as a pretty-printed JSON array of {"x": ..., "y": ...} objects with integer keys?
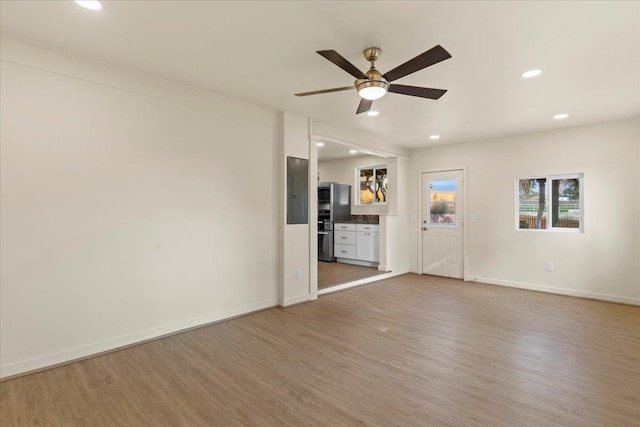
[
  {"x": 474, "y": 218},
  {"x": 412, "y": 217}
]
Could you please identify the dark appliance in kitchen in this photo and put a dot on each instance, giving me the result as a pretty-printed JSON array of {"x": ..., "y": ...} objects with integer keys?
[{"x": 334, "y": 205}]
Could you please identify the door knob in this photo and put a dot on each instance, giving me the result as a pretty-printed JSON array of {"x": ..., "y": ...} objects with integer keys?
[
  {"x": 424, "y": 228},
  {"x": 424, "y": 221}
]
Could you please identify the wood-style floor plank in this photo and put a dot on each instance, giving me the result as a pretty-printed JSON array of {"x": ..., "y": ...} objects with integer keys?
[
  {"x": 408, "y": 351},
  {"x": 337, "y": 273}
]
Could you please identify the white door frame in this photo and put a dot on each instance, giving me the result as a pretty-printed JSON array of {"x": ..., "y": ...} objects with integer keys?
[{"x": 421, "y": 201}]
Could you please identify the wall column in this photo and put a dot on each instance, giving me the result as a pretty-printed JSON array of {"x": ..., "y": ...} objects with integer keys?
[{"x": 294, "y": 248}]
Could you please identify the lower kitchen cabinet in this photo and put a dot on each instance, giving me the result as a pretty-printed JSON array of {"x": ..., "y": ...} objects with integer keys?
[
  {"x": 344, "y": 251},
  {"x": 357, "y": 243},
  {"x": 368, "y": 246}
]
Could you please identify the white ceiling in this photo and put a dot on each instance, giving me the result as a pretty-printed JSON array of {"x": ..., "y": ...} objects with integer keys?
[{"x": 264, "y": 52}]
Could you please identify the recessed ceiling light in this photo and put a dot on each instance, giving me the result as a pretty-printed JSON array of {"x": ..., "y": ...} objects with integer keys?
[
  {"x": 561, "y": 116},
  {"x": 353, "y": 151},
  {"x": 320, "y": 144},
  {"x": 531, "y": 73},
  {"x": 434, "y": 137},
  {"x": 90, "y": 4},
  {"x": 372, "y": 113}
]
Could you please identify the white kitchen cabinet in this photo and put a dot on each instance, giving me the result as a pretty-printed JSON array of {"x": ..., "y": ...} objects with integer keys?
[
  {"x": 368, "y": 246},
  {"x": 344, "y": 251},
  {"x": 373, "y": 228},
  {"x": 357, "y": 243},
  {"x": 344, "y": 237},
  {"x": 344, "y": 227}
]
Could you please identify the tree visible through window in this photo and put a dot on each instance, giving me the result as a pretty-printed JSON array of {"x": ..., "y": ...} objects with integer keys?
[
  {"x": 373, "y": 185},
  {"x": 550, "y": 203}
]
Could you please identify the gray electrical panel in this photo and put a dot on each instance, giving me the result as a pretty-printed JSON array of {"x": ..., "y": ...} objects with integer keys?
[{"x": 297, "y": 191}]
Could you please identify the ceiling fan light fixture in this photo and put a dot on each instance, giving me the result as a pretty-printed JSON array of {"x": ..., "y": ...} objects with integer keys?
[
  {"x": 90, "y": 4},
  {"x": 371, "y": 89}
]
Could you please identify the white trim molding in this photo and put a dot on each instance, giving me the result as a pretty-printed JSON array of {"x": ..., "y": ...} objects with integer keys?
[
  {"x": 361, "y": 282},
  {"x": 558, "y": 291},
  {"x": 296, "y": 300}
]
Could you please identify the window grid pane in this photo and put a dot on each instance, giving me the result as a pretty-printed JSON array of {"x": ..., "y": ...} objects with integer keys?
[
  {"x": 565, "y": 203},
  {"x": 532, "y": 203},
  {"x": 367, "y": 187},
  {"x": 442, "y": 201}
]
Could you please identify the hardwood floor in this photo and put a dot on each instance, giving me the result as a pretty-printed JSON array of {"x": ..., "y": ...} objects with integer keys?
[
  {"x": 336, "y": 273},
  {"x": 411, "y": 351}
]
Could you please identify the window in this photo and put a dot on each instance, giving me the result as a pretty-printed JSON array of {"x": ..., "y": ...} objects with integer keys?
[
  {"x": 373, "y": 185},
  {"x": 550, "y": 203},
  {"x": 442, "y": 201}
]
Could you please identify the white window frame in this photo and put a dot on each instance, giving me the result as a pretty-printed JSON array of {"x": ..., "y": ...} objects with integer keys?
[
  {"x": 357, "y": 185},
  {"x": 549, "y": 179}
]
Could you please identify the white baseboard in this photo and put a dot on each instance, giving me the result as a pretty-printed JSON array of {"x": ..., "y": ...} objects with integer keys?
[
  {"x": 560, "y": 291},
  {"x": 82, "y": 352},
  {"x": 296, "y": 300},
  {"x": 361, "y": 282}
]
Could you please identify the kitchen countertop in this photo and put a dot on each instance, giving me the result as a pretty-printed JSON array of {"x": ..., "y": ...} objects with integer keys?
[
  {"x": 361, "y": 219},
  {"x": 357, "y": 222}
]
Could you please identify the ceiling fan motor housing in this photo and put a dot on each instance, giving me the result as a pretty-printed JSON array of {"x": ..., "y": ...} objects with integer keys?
[{"x": 375, "y": 78}]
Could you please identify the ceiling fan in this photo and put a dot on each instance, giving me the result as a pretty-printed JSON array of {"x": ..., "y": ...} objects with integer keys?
[{"x": 372, "y": 85}]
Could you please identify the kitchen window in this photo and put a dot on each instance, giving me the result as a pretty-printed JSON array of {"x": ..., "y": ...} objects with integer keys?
[
  {"x": 550, "y": 203},
  {"x": 373, "y": 185}
]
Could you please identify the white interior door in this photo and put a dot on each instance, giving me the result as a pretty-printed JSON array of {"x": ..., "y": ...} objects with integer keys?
[{"x": 442, "y": 223}]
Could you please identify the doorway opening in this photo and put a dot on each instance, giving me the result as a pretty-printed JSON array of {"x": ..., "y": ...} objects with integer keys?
[{"x": 349, "y": 245}]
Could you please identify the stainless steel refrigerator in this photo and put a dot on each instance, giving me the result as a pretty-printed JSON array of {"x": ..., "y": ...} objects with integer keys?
[{"x": 334, "y": 205}]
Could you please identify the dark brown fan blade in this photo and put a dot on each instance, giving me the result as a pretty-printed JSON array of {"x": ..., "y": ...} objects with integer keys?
[
  {"x": 424, "y": 60},
  {"x": 422, "y": 92},
  {"x": 318, "y": 92},
  {"x": 337, "y": 59},
  {"x": 364, "y": 106}
]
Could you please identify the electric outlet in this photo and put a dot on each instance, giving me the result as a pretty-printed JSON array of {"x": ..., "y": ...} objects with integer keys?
[
  {"x": 549, "y": 266},
  {"x": 298, "y": 273}
]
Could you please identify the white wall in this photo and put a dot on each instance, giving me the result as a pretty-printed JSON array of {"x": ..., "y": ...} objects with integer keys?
[
  {"x": 604, "y": 262},
  {"x": 131, "y": 207}
]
